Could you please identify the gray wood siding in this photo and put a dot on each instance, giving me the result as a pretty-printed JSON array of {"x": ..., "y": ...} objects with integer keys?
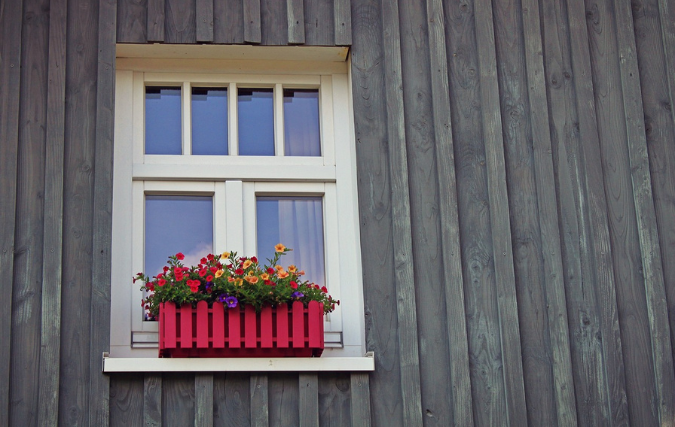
[{"x": 516, "y": 179}]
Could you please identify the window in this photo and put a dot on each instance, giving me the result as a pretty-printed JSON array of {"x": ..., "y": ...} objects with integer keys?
[{"x": 234, "y": 157}]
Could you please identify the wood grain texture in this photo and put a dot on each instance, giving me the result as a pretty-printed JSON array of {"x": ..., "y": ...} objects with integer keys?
[
  {"x": 28, "y": 249},
  {"x": 273, "y": 22},
  {"x": 334, "y": 399},
  {"x": 252, "y": 24},
  {"x": 260, "y": 414},
  {"x": 342, "y": 21},
  {"x": 231, "y": 398},
  {"x": 179, "y": 25},
  {"x": 308, "y": 400},
  {"x": 10, "y": 81},
  {"x": 155, "y": 23},
  {"x": 50, "y": 340},
  {"x": 152, "y": 400},
  {"x": 403, "y": 272},
  {"x": 99, "y": 331},
  {"x": 85, "y": 307},
  {"x": 126, "y": 401},
  {"x": 228, "y": 21},
  {"x": 284, "y": 399},
  {"x": 319, "y": 23},
  {"x": 499, "y": 218},
  {"x": 360, "y": 399},
  {"x": 204, "y": 16},
  {"x": 178, "y": 399},
  {"x": 555, "y": 300},
  {"x": 203, "y": 400},
  {"x": 648, "y": 237},
  {"x": 423, "y": 188},
  {"x": 375, "y": 210},
  {"x": 295, "y": 15},
  {"x": 132, "y": 20},
  {"x": 455, "y": 325}
]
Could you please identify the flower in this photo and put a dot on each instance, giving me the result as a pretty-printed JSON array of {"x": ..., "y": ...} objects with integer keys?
[
  {"x": 294, "y": 285},
  {"x": 297, "y": 294},
  {"x": 270, "y": 270},
  {"x": 280, "y": 248},
  {"x": 265, "y": 276},
  {"x": 238, "y": 281},
  {"x": 247, "y": 264},
  {"x": 282, "y": 274},
  {"x": 180, "y": 256},
  {"x": 194, "y": 285},
  {"x": 251, "y": 279},
  {"x": 210, "y": 257},
  {"x": 219, "y": 273},
  {"x": 161, "y": 282},
  {"x": 231, "y": 302},
  {"x": 239, "y": 271},
  {"x": 324, "y": 289},
  {"x": 292, "y": 269},
  {"x": 254, "y": 259},
  {"x": 209, "y": 278},
  {"x": 202, "y": 272},
  {"x": 224, "y": 256}
]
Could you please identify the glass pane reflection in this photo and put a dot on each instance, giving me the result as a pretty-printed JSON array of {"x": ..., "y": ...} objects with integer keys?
[
  {"x": 177, "y": 224},
  {"x": 256, "y": 122},
  {"x": 301, "y": 122},
  {"x": 163, "y": 120},
  {"x": 209, "y": 121},
  {"x": 297, "y": 222}
]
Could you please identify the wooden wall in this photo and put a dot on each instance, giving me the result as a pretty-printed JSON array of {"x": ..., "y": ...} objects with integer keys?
[{"x": 516, "y": 176}]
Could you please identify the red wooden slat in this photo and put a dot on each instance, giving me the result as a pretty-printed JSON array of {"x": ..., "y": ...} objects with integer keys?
[
  {"x": 186, "y": 326},
  {"x": 218, "y": 325},
  {"x": 162, "y": 326},
  {"x": 315, "y": 323},
  {"x": 234, "y": 332},
  {"x": 202, "y": 324},
  {"x": 282, "y": 326},
  {"x": 250, "y": 333},
  {"x": 170, "y": 328},
  {"x": 321, "y": 323},
  {"x": 298, "y": 325},
  {"x": 266, "y": 327}
]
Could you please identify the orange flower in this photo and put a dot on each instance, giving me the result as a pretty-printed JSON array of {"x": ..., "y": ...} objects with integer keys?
[
  {"x": 278, "y": 267},
  {"x": 280, "y": 248},
  {"x": 292, "y": 269},
  {"x": 265, "y": 276},
  {"x": 301, "y": 273},
  {"x": 247, "y": 264},
  {"x": 224, "y": 256},
  {"x": 251, "y": 279},
  {"x": 219, "y": 273},
  {"x": 230, "y": 279},
  {"x": 238, "y": 281},
  {"x": 282, "y": 274}
]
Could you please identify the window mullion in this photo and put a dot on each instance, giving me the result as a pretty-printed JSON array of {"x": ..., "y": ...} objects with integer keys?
[
  {"x": 279, "y": 120},
  {"x": 187, "y": 118},
  {"x": 233, "y": 117}
]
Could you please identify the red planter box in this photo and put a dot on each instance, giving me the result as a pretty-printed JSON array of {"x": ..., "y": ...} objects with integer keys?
[{"x": 233, "y": 332}]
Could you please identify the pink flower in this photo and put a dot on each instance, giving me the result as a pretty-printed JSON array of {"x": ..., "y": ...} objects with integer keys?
[
  {"x": 180, "y": 256},
  {"x": 294, "y": 285}
]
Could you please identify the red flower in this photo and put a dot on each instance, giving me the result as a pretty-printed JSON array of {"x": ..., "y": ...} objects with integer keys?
[
  {"x": 180, "y": 256},
  {"x": 271, "y": 271},
  {"x": 209, "y": 278},
  {"x": 179, "y": 276},
  {"x": 202, "y": 272},
  {"x": 213, "y": 269},
  {"x": 166, "y": 268},
  {"x": 210, "y": 257},
  {"x": 193, "y": 284},
  {"x": 294, "y": 285},
  {"x": 254, "y": 259},
  {"x": 269, "y": 283},
  {"x": 161, "y": 282},
  {"x": 151, "y": 287},
  {"x": 243, "y": 259},
  {"x": 185, "y": 269},
  {"x": 203, "y": 260},
  {"x": 324, "y": 289},
  {"x": 239, "y": 271},
  {"x": 177, "y": 270}
]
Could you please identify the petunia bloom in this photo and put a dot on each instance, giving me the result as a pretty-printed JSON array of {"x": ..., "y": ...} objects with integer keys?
[
  {"x": 231, "y": 301},
  {"x": 297, "y": 294},
  {"x": 279, "y": 247},
  {"x": 180, "y": 256},
  {"x": 219, "y": 273}
]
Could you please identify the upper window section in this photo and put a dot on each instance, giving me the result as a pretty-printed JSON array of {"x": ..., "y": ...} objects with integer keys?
[
  {"x": 209, "y": 121},
  {"x": 162, "y": 120}
]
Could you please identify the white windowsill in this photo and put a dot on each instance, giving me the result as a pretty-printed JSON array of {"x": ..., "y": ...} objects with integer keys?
[{"x": 288, "y": 364}]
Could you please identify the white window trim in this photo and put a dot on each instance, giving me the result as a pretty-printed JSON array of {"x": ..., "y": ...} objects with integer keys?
[{"x": 333, "y": 175}]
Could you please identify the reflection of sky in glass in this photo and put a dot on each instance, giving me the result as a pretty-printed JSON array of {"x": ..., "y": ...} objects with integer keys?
[
  {"x": 209, "y": 121},
  {"x": 297, "y": 222},
  {"x": 256, "y": 122},
  {"x": 177, "y": 224},
  {"x": 301, "y": 122},
  {"x": 163, "y": 120}
]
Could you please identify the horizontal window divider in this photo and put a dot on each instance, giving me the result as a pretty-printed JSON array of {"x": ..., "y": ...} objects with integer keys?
[
  {"x": 144, "y": 172},
  {"x": 287, "y": 364},
  {"x": 241, "y": 79},
  {"x": 249, "y": 161}
]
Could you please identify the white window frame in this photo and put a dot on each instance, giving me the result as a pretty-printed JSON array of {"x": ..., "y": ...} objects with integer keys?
[{"x": 234, "y": 183}]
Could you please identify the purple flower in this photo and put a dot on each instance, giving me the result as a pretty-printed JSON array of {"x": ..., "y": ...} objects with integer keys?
[
  {"x": 231, "y": 302},
  {"x": 297, "y": 294}
]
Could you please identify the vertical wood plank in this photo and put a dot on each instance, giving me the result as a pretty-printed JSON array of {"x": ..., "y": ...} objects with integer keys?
[
  {"x": 252, "y": 32},
  {"x": 53, "y": 229},
  {"x": 186, "y": 338},
  {"x": 652, "y": 274},
  {"x": 284, "y": 399},
  {"x": 334, "y": 400},
  {"x": 202, "y": 324},
  {"x": 460, "y": 382},
  {"x": 667, "y": 18},
  {"x": 11, "y": 20},
  {"x": 499, "y": 217},
  {"x": 298, "y": 325},
  {"x": 170, "y": 329},
  {"x": 218, "y": 325},
  {"x": 259, "y": 400},
  {"x": 152, "y": 400},
  {"x": 228, "y": 21},
  {"x": 273, "y": 23},
  {"x": 179, "y": 24},
  {"x": 204, "y": 16},
  {"x": 99, "y": 340},
  {"x": 266, "y": 325},
  {"x": 315, "y": 320},
  {"x": 132, "y": 21},
  {"x": 126, "y": 401},
  {"x": 155, "y": 23},
  {"x": 234, "y": 327},
  {"x": 282, "y": 326},
  {"x": 204, "y": 400},
  {"x": 360, "y": 402},
  {"x": 178, "y": 399},
  {"x": 250, "y": 327},
  {"x": 231, "y": 398},
  {"x": 404, "y": 274},
  {"x": 319, "y": 23},
  {"x": 342, "y": 18},
  {"x": 308, "y": 403},
  {"x": 556, "y": 304},
  {"x": 295, "y": 15}
]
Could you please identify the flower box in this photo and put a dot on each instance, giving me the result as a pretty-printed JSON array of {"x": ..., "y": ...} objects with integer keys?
[{"x": 233, "y": 332}]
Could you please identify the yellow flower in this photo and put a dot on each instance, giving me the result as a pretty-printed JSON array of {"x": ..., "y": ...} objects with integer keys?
[
  {"x": 247, "y": 264},
  {"x": 219, "y": 273},
  {"x": 265, "y": 276},
  {"x": 238, "y": 281},
  {"x": 251, "y": 279},
  {"x": 292, "y": 269},
  {"x": 224, "y": 256},
  {"x": 278, "y": 267},
  {"x": 280, "y": 248},
  {"x": 282, "y": 274}
]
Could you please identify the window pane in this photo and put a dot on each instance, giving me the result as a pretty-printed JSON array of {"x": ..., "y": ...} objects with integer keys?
[
  {"x": 209, "y": 121},
  {"x": 162, "y": 120},
  {"x": 177, "y": 224},
  {"x": 256, "y": 122},
  {"x": 301, "y": 122},
  {"x": 297, "y": 222}
]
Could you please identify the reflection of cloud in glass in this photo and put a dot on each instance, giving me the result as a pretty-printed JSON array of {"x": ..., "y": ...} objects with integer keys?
[{"x": 199, "y": 251}]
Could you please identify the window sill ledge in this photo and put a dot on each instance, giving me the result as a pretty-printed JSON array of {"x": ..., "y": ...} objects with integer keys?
[{"x": 290, "y": 364}]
